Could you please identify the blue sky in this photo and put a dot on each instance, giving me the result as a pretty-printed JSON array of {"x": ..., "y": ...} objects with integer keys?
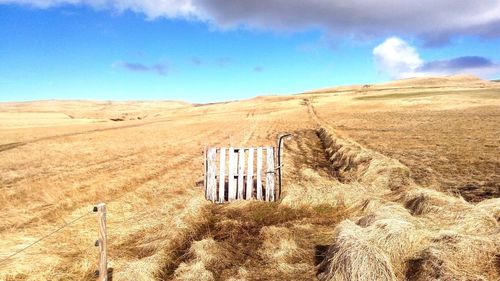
[{"x": 183, "y": 50}]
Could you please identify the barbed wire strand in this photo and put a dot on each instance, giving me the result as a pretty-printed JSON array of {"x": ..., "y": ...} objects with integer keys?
[{"x": 44, "y": 237}]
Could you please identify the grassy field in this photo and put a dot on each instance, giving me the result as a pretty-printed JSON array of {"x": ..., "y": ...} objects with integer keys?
[
  {"x": 445, "y": 149},
  {"x": 381, "y": 182}
]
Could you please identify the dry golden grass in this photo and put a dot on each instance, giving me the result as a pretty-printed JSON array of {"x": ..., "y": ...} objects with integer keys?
[{"x": 373, "y": 185}]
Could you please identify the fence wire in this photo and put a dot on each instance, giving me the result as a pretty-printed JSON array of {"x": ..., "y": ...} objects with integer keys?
[{"x": 44, "y": 237}]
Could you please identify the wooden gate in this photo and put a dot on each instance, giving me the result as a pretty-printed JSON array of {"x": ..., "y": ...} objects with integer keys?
[{"x": 246, "y": 176}]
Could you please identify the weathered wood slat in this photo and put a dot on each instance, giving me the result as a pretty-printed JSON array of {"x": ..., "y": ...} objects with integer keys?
[
  {"x": 241, "y": 172},
  {"x": 205, "y": 167},
  {"x": 270, "y": 174},
  {"x": 205, "y": 178},
  {"x": 259, "y": 173},
  {"x": 222, "y": 175},
  {"x": 211, "y": 173},
  {"x": 231, "y": 180},
  {"x": 249, "y": 190}
]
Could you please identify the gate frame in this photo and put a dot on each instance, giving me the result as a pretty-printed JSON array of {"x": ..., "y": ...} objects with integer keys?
[{"x": 280, "y": 165}]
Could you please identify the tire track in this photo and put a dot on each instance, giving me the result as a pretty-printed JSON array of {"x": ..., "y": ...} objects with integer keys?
[{"x": 9, "y": 146}]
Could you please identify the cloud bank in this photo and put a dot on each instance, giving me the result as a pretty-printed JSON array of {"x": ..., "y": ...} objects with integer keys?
[
  {"x": 434, "y": 21},
  {"x": 399, "y": 59}
]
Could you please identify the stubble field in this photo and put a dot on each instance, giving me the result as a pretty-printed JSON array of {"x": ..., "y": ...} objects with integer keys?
[{"x": 381, "y": 182}]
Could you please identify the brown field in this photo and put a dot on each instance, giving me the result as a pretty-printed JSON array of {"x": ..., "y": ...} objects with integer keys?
[{"x": 397, "y": 181}]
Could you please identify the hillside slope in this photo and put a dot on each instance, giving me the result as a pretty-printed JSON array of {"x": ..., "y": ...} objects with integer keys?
[{"x": 380, "y": 183}]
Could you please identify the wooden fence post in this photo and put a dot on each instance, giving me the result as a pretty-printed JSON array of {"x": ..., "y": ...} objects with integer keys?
[{"x": 103, "y": 259}]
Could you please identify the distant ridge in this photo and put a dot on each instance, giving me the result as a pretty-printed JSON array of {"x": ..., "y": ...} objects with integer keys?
[
  {"x": 423, "y": 82},
  {"x": 434, "y": 81}
]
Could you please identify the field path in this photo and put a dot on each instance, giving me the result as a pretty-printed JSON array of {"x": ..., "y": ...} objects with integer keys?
[{"x": 8, "y": 146}]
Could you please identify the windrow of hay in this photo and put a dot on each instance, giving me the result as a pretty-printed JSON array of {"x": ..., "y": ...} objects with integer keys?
[
  {"x": 232, "y": 236},
  {"x": 353, "y": 163},
  {"x": 281, "y": 251},
  {"x": 156, "y": 250},
  {"x": 403, "y": 231},
  {"x": 352, "y": 257},
  {"x": 308, "y": 179},
  {"x": 205, "y": 256},
  {"x": 389, "y": 229},
  {"x": 491, "y": 206},
  {"x": 452, "y": 256},
  {"x": 251, "y": 240}
]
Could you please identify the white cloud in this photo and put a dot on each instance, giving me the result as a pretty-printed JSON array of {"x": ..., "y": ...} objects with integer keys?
[
  {"x": 434, "y": 21},
  {"x": 399, "y": 59},
  {"x": 151, "y": 8}
]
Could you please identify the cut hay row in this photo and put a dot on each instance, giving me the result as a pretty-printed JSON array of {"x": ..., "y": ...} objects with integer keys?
[
  {"x": 353, "y": 163},
  {"x": 409, "y": 232}
]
